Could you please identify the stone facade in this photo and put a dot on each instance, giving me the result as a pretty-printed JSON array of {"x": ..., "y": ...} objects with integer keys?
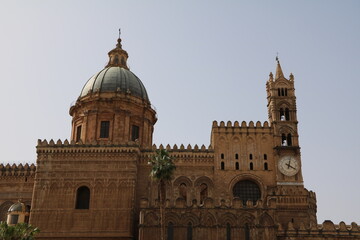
[{"x": 247, "y": 184}]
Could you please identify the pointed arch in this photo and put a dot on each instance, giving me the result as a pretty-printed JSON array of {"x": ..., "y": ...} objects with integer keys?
[
  {"x": 266, "y": 220},
  {"x": 228, "y": 218},
  {"x": 172, "y": 217},
  {"x": 189, "y": 217},
  {"x": 246, "y": 218},
  {"x": 208, "y": 220}
]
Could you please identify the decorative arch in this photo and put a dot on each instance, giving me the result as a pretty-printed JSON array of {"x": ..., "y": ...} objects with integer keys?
[
  {"x": 266, "y": 220},
  {"x": 204, "y": 179},
  {"x": 208, "y": 220},
  {"x": 189, "y": 217},
  {"x": 172, "y": 217},
  {"x": 4, "y": 207},
  {"x": 182, "y": 179},
  {"x": 228, "y": 218},
  {"x": 246, "y": 219},
  {"x": 286, "y": 130}
]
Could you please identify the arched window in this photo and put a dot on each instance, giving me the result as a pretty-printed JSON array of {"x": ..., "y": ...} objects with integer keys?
[
  {"x": 285, "y": 91},
  {"x": 251, "y": 166},
  {"x": 222, "y": 166},
  {"x": 247, "y": 190},
  {"x": 281, "y": 114},
  {"x": 183, "y": 191},
  {"x": 237, "y": 167},
  {"x": 289, "y": 140},
  {"x": 265, "y": 157},
  {"x": 123, "y": 62},
  {"x": 116, "y": 60},
  {"x": 189, "y": 231},
  {"x": 203, "y": 192},
  {"x": 222, "y": 156},
  {"x": 250, "y": 156},
  {"x": 266, "y": 166},
  {"x": 282, "y": 92},
  {"x": 283, "y": 140},
  {"x": 236, "y": 156},
  {"x": 279, "y": 92},
  {"x": 287, "y": 114},
  {"x": 82, "y": 198},
  {"x": 228, "y": 231},
  {"x": 170, "y": 231}
]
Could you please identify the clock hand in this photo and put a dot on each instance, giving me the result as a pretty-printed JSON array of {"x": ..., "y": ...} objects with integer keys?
[{"x": 289, "y": 166}]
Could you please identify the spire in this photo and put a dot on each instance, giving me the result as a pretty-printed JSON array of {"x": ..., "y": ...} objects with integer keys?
[
  {"x": 279, "y": 72},
  {"x": 118, "y": 57}
]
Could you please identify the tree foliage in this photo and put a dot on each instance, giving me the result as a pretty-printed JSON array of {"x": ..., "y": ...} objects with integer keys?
[
  {"x": 162, "y": 169},
  {"x": 162, "y": 166},
  {"x": 21, "y": 231}
]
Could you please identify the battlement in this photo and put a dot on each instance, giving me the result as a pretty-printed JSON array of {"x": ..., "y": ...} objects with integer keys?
[
  {"x": 184, "y": 155},
  {"x": 244, "y": 126},
  {"x": 78, "y": 147},
  {"x": 17, "y": 170},
  {"x": 328, "y": 228},
  {"x": 189, "y": 148}
]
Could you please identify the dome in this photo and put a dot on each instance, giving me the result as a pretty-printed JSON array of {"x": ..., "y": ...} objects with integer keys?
[
  {"x": 19, "y": 207},
  {"x": 115, "y": 79}
]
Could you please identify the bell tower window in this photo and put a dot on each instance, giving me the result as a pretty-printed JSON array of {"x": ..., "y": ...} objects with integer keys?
[
  {"x": 289, "y": 140},
  {"x": 104, "y": 129},
  {"x": 135, "y": 132},
  {"x": 287, "y": 114},
  {"x": 282, "y": 116},
  {"x": 283, "y": 140}
]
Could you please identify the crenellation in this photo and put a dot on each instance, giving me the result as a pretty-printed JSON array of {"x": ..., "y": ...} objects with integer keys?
[
  {"x": 244, "y": 127},
  {"x": 328, "y": 228},
  {"x": 228, "y": 124},
  {"x": 17, "y": 170}
]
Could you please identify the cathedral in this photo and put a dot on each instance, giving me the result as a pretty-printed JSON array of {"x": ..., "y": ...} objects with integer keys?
[{"x": 247, "y": 184}]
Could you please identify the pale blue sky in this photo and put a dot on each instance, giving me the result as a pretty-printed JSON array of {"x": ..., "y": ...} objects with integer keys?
[{"x": 200, "y": 61}]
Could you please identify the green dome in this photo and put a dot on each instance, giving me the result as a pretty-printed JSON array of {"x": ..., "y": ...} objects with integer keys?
[
  {"x": 115, "y": 79},
  {"x": 19, "y": 207}
]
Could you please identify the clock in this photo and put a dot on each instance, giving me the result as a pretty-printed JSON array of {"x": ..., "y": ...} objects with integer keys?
[{"x": 288, "y": 165}]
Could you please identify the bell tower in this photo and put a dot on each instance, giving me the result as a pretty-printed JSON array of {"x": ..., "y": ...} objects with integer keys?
[{"x": 283, "y": 120}]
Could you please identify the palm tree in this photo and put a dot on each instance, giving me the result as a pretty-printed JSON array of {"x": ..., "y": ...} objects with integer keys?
[
  {"x": 21, "y": 231},
  {"x": 162, "y": 169}
]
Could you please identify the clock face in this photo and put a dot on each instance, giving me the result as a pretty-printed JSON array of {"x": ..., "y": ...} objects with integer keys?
[{"x": 289, "y": 165}]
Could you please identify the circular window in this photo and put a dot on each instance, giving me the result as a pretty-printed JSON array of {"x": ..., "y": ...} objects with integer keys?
[{"x": 247, "y": 190}]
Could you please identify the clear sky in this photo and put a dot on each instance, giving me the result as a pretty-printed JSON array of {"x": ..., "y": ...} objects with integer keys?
[{"x": 200, "y": 61}]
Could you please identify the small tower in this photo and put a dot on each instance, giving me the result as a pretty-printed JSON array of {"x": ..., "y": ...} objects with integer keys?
[
  {"x": 18, "y": 213},
  {"x": 283, "y": 120}
]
